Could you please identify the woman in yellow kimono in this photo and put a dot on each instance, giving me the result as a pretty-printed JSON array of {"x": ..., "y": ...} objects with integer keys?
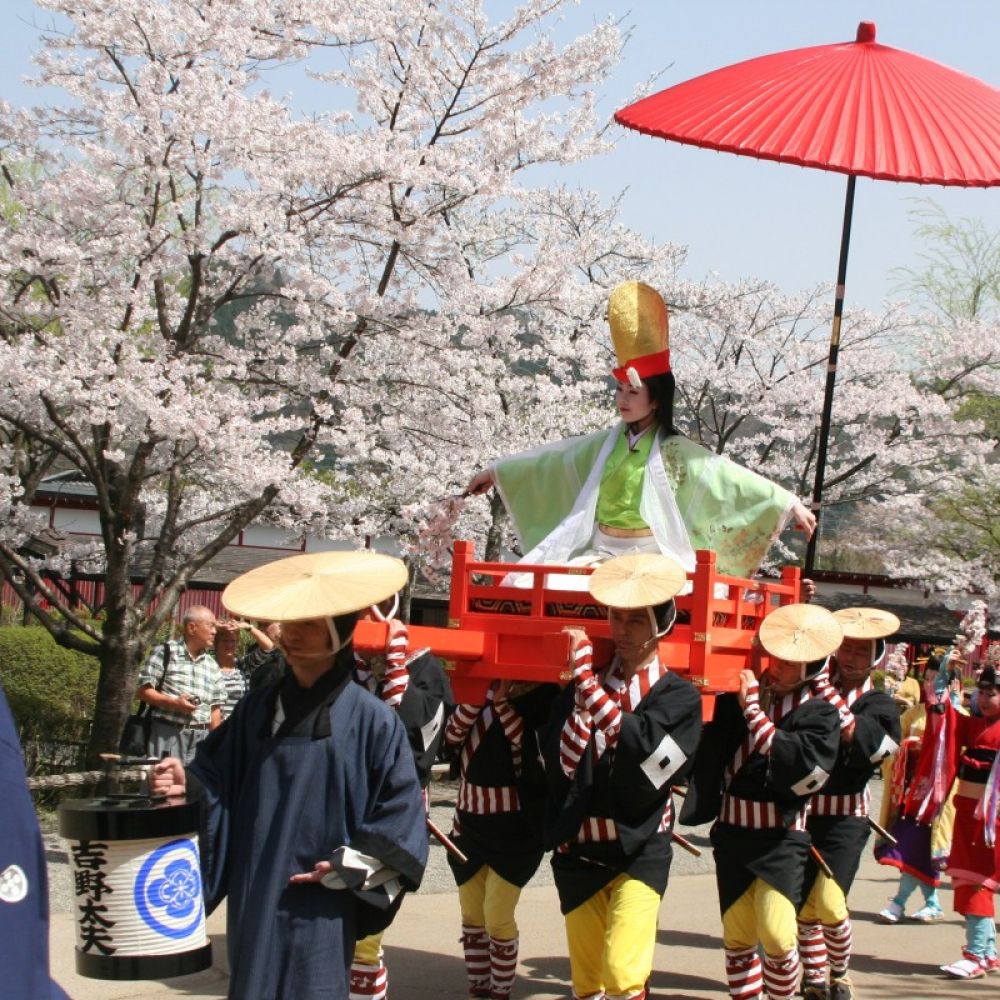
[{"x": 640, "y": 486}]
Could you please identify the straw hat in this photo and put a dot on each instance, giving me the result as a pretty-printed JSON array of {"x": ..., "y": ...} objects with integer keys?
[
  {"x": 866, "y": 623},
  {"x": 641, "y": 580},
  {"x": 800, "y": 633},
  {"x": 640, "y": 330},
  {"x": 318, "y": 585}
]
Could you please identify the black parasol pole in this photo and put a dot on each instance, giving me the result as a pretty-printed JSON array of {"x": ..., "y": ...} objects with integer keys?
[{"x": 831, "y": 374}]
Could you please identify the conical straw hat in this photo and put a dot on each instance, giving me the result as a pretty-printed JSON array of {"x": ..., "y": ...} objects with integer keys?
[
  {"x": 642, "y": 580},
  {"x": 800, "y": 633},
  {"x": 318, "y": 585},
  {"x": 866, "y": 623}
]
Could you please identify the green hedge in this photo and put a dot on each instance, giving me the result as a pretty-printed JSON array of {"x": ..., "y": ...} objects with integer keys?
[{"x": 51, "y": 692}]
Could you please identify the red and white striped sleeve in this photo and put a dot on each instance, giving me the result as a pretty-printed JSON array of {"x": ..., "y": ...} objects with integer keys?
[
  {"x": 573, "y": 740},
  {"x": 824, "y": 689},
  {"x": 459, "y": 723},
  {"x": 604, "y": 711},
  {"x": 761, "y": 727},
  {"x": 513, "y": 728},
  {"x": 397, "y": 677}
]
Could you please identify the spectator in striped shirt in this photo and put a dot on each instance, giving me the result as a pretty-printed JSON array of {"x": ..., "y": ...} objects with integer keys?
[
  {"x": 621, "y": 735},
  {"x": 226, "y": 638}
]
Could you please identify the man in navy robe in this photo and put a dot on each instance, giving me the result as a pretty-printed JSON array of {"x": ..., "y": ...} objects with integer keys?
[
  {"x": 313, "y": 823},
  {"x": 24, "y": 890}
]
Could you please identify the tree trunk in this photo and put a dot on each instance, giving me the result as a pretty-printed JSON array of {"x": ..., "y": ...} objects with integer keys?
[
  {"x": 406, "y": 594},
  {"x": 121, "y": 657},
  {"x": 494, "y": 537},
  {"x": 125, "y": 634}
]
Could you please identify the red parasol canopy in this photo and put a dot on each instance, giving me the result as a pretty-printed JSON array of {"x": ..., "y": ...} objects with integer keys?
[
  {"x": 859, "y": 108},
  {"x": 856, "y": 108}
]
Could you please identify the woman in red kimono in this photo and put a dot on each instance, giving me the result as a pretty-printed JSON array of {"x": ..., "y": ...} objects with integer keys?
[{"x": 964, "y": 748}]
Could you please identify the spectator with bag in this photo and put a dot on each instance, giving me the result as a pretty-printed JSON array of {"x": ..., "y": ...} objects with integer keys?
[{"x": 181, "y": 683}]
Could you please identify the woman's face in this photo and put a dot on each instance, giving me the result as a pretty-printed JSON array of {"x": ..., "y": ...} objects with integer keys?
[
  {"x": 225, "y": 647},
  {"x": 634, "y": 405}
]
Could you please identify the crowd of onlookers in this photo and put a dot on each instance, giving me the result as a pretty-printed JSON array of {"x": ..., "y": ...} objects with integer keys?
[{"x": 193, "y": 682}]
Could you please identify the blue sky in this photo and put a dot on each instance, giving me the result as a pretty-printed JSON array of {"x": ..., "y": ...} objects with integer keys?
[{"x": 737, "y": 216}]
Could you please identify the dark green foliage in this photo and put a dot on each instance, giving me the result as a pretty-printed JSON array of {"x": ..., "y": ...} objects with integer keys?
[{"x": 51, "y": 693}]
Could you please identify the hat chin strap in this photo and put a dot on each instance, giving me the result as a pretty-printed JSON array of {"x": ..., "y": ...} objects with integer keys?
[
  {"x": 377, "y": 611},
  {"x": 803, "y": 676},
  {"x": 338, "y": 643},
  {"x": 657, "y": 635}
]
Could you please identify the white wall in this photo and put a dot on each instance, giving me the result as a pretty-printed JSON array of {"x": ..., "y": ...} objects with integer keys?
[{"x": 79, "y": 522}]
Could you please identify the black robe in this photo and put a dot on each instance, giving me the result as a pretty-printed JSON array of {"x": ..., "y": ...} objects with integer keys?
[
  {"x": 510, "y": 843},
  {"x": 338, "y": 773},
  {"x": 24, "y": 897},
  {"x": 807, "y": 739},
  {"x": 840, "y": 840},
  {"x": 621, "y": 787},
  {"x": 424, "y": 710}
]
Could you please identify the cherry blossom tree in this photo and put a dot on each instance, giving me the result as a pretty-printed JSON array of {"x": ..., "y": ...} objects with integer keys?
[
  {"x": 198, "y": 280},
  {"x": 531, "y": 366},
  {"x": 217, "y": 309},
  {"x": 749, "y": 363},
  {"x": 945, "y": 530}
]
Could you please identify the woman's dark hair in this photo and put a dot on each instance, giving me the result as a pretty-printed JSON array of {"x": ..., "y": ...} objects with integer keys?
[{"x": 661, "y": 392}]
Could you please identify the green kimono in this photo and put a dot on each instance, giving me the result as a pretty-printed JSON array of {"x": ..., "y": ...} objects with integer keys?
[{"x": 690, "y": 498}]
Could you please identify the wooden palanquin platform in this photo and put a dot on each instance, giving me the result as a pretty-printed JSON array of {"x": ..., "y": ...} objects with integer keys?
[{"x": 498, "y": 630}]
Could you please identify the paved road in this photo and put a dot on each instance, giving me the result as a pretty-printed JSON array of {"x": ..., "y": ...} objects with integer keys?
[{"x": 425, "y": 961}]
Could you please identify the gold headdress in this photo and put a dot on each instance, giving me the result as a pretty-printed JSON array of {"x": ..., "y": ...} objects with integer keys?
[{"x": 640, "y": 332}]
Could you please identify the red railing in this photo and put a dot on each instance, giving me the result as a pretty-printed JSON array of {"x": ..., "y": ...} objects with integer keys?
[{"x": 506, "y": 621}]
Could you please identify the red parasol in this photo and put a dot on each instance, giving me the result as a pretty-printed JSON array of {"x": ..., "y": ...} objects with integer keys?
[{"x": 859, "y": 108}]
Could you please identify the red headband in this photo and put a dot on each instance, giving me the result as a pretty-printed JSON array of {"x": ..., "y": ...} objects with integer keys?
[{"x": 647, "y": 365}]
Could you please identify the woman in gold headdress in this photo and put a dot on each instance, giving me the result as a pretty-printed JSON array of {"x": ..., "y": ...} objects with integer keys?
[{"x": 640, "y": 486}]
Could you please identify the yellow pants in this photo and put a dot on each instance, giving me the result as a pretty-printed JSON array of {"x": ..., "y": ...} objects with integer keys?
[
  {"x": 368, "y": 951},
  {"x": 611, "y": 939},
  {"x": 489, "y": 901},
  {"x": 761, "y": 915},
  {"x": 826, "y": 904}
]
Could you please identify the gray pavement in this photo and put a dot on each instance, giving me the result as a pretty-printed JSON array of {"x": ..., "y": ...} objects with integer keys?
[{"x": 425, "y": 959}]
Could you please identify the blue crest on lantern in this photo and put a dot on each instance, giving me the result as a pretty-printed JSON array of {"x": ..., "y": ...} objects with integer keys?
[{"x": 168, "y": 890}]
